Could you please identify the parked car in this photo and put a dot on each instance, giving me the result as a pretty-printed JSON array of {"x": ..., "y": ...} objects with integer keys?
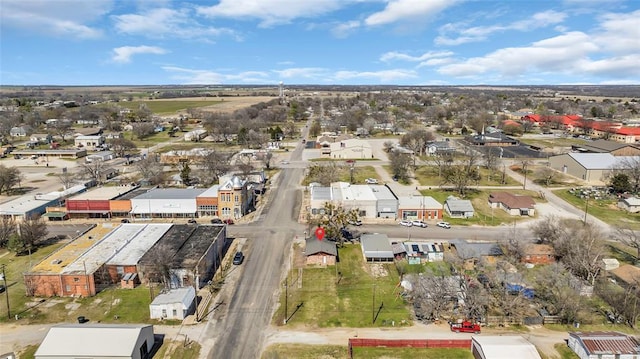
[
  {"x": 125, "y": 221},
  {"x": 419, "y": 224},
  {"x": 465, "y": 327},
  {"x": 444, "y": 225},
  {"x": 228, "y": 221},
  {"x": 238, "y": 258},
  {"x": 192, "y": 221},
  {"x": 2, "y": 288},
  {"x": 405, "y": 223},
  {"x": 371, "y": 181},
  {"x": 216, "y": 221},
  {"x": 355, "y": 223}
]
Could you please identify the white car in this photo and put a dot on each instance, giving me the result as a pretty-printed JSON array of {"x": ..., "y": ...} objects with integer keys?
[
  {"x": 444, "y": 225},
  {"x": 371, "y": 181},
  {"x": 419, "y": 224},
  {"x": 405, "y": 223}
]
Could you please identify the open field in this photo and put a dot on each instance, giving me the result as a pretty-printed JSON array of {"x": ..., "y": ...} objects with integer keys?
[
  {"x": 300, "y": 351},
  {"x": 349, "y": 295},
  {"x": 213, "y": 104},
  {"x": 604, "y": 209}
]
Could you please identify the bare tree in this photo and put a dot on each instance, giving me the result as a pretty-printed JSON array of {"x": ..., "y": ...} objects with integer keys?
[
  {"x": 554, "y": 286},
  {"x": 121, "y": 146},
  {"x": 7, "y": 230},
  {"x": 628, "y": 237},
  {"x": 94, "y": 170},
  {"x": 151, "y": 169},
  {"x": 624, "y": 301},
  {"x": 159, "y": 271},
  {"x": 61, "y": 128},
  {"x": 325, "y": 172},
  {"x": 213, "y": 165},
  {"x": 631, "y": 167},
  {"x": 548, "y": 175},
  {"x": 142, "y": 129},
  {"x": 400, "y": 165},
  {"x": 333, "y": 218},
  {"x": 9, "y": 177},
  {"x": 67, "y": 178},
  {"x": 433, "y": 294},
  {"x": 266, "y": 159},
  {"x": 30, "y": 231}
]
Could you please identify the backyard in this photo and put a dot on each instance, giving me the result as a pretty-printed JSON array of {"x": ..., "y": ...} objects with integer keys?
[{"x": 353, "y": 294}]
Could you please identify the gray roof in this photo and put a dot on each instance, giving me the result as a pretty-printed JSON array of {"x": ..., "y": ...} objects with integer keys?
[
  {"x": 382, "y": 192},
  {"x": 459, "y": 205},
  {"x": 594, "y": 161},
  {"x": 602, "y": 146},
  {"x": 91, "y": 340},
  {"x": 321, "y": 193},
  {"x": 183, "y": 295},
  {"x": 468, "y": 250},
  {"x": 313, "y": 246},
  {"x": 171, "y": 193},
  {"x": 376, "y": 245}
]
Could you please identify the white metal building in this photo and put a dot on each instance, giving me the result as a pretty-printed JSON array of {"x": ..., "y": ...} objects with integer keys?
[
  {"x": 502, "y": 347},
  {"x": 90, "y": 142},
  {"x": 376, "y": 247},
  {"x": 134, "y": 341},
  {"x": 166, "y": 203},
  {"x": 174, "y": 304}
]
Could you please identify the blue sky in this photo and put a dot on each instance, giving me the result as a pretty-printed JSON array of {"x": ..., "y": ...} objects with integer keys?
[{"x": 337, "y": 42}]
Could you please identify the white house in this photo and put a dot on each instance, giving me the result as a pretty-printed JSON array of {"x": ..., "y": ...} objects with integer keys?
[
  {"x": 600, "y": 345},
  {"x": 90, "y": 142},
  {"x": 126, "y": 341},
  {"x": 195, "y": 135},
  {"x": 458, "y": 208},
  {"x": 174, "y": 304}
]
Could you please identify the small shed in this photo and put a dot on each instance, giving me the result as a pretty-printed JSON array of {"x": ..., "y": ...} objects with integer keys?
[
  {"x": 610, "y": 264},
  {"x": 376, "y": 248},
  {"x": 630, "y": 204},
  {"x": 174, "y": 304},
  {"x": 320, "y": 252},
  {"x": 596, "y": 345},
  {"x": 130, "y": 281}
]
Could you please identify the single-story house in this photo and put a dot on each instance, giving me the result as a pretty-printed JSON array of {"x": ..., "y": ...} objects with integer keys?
[
  {"x": 439, "y": 147},
  {"x": 419, "y": 208},
  {"x": 41, "y": 138},
  {"x": 502, "y": 346},
  {"x": 538, "y": 254},
  {"x": 320, "y": 252},
  {"x": 627, "y": 275},
  {"x": 100, "y": 156},
  {"x": 376, "y": 247},
  {"x": 20, "y": 131},
  {"x": 600, "y": 345},
  {"x": 417, "y": 253},
  {"x": 515, "y": 205},
  {"x": 630, "y": 204},
  {"x": 474, "y": 252},
  {"x": 88, "y": 131},
  {"x": 175, "y": 304},
  {"x": 458, "y": 208},
  {"x": 126, "y": 341},
  {"x": 90, "y": 142}
]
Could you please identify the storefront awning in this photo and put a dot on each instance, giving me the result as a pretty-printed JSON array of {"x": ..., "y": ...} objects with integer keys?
[{"x": 55, "y": 214}]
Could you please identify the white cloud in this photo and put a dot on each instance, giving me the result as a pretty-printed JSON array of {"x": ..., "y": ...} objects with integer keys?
[
  {"x": 461, "y": 34},
  {"x": 271, "y": 12},
  {"x": 124, "y": 54},
  {"x": 69, "y": 18},
  {"x": 400, "y": 10},
  {"x": 619, "y": 33},
  {"x": 314, "y": 73},
  {"x": 166, "y": 22},
  {"x": 390, "y": 56},
  {"x": 344, "y": 29},
  {"x": 385, "y": 76},
  {"x": 208, "y": 77}
]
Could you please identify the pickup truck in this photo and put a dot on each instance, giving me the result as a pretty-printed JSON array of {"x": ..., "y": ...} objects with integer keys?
[{"x": 465, "y": 327}]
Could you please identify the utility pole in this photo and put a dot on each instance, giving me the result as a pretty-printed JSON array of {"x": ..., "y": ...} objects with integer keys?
[
  {"x": 373, "y": 305},
  {"x": 586, "y": 210},
  {"x": 6, "y": 290},
  {"x": 286, "y": 296}
]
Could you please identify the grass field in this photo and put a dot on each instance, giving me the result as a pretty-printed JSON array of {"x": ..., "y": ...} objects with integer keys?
[
  {"x": 429, "y": 176},
  {"x": 605, "y": 210},
  {"x": 484, "y": 215},
  {"x": 346, "y": 296},
  {"x": 360, "y": 174},
  {"x": 300, "y": 351},
  {"x": 168, "y": 107}
]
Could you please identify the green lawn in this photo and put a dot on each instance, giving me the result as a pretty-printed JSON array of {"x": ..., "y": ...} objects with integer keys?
[
  {"x": 429, "y": 176},
  {"x": 605, "y": 210},
  {"x": 565, "y": 352},
  {"x": 484, "y": 215},
  {"x": 410, "y": 353},
  {"x": 305, "y": 351},
  {"x": 349, "y": 299},
  {"x": 360, "y": 174},
  {"x": 166, "y": 107}
]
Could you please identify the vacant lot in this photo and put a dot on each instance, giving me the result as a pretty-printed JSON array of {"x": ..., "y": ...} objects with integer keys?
[
  {"x": 353, "y": 294},
  {"x": 212, "y": 104},
  {"x": 604, "y": 209},
  {"x": 301, "y": 351}
]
